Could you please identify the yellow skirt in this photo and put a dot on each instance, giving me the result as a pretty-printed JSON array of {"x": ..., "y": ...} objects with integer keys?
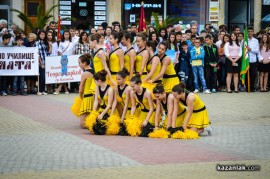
[
  {"x": 87, "y": 104},
  {"x": 179, "y": 120},
  {"x": 143, "y": 115},
  {"x": 199, "y": 120},
  {"x": 169, "y": 83}
]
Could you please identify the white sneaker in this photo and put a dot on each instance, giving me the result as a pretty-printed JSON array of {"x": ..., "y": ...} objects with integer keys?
[
  {"x": 209, "y": 130},
  {"x": 207, "y": 91},
  {"x": 196, "y": 91},
  {"x": 56, "y": 93},
  {"x": 43, "y": 93},
  {"x": 66, "y": 92},
  {"x": 39, "y": 93}
]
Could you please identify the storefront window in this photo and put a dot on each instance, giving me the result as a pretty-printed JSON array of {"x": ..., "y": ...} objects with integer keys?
[
  {"x": 5, "y": 10},
  {"x": 82, "y": 14},
  {"x": 132, "y": 9},
  {"x": 188, "y": 10}
]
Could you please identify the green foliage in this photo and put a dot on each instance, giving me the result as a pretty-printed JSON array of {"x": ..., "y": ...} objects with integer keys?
[
  {"x": 42, "y": 18},
  {"x": 167, "y": 21}
]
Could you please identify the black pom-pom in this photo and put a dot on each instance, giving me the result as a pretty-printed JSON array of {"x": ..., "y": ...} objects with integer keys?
[
  {"x": 99, "y": 128},
  {"x": 123, "y": 130},
  {"x": 146, "y": 130},
  {"x": 173, "y": 130}
]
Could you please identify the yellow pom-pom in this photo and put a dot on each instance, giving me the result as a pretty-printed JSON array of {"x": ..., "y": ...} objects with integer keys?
[
  {"x": 191, "y": 134},
  {"x": 113, "y": 125},
  {"x": 91, "y": 120},
  {"x": 179, "y": 135},
  {"x": 133, "y": 126},
  {"x": 160, "y": 133},
  {"x": 75, "y": 108}
]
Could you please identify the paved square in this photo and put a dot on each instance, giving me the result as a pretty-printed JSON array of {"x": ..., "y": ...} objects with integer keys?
[{"x": 40, "y": 138}]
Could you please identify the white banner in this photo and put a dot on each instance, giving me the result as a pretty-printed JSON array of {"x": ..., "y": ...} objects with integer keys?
[
  {"x": 62, "y": 69},
  {"x": 19, "y": 61}
]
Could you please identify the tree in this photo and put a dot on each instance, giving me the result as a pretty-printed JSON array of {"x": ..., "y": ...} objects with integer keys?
[
  {"x": 167, "y": 21},
  {"x": 42, "y": 18}
]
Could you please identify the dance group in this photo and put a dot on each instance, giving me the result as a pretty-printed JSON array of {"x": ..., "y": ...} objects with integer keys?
[{"x": 136, "y": 93}]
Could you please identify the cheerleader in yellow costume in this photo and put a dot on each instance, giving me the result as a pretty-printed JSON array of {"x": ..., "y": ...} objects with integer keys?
[
  {"x": 142, "y": 56},
  {"x": 153, "y": 67},
  {"x": 84, "y": 90},
  {"x": 170, "y": 78},
  {"x": 143, "y": 97},
  {"x": 129, "y": 55},
  {"x": 123, "y": 94},
  {"x": 174, "y": 111},
  {"x": 99, "y": 60},
  {"x": 197, "y": 115},
  {"x": 116, "y": 57},
  {"x": 104, "y": 104}
]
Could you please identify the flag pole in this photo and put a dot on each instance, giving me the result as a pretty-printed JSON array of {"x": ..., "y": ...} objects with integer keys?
[{"x": 248, "y": 78}]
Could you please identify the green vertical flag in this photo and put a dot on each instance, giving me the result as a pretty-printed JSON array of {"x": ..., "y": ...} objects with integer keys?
[{"x": 245, "y": 58}]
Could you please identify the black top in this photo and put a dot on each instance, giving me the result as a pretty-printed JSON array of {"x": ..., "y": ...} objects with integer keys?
[
  {"x": 121, "y": 91},
  {"x": 164, "y": 105},
  {"x": 98, "y": 51},
  {"x": 128, "y": 50},
  {"x": 141, "y": 51},
  {"x": 140, "y": 97},
  {"x": 113, "y": 51},
  {"x": 211, "y": 54},
  {"x": 186, "y": 95},
  {"x": 161, "y": 59},
  {"x": 102, "y": 93},
  {"x": 149, "y": 61},
  {"x": 91, "y": 71}
]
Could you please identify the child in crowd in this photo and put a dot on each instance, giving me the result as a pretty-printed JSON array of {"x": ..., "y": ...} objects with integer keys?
[
  {"x": 197, "y": 54},
  {"x": 18, "y": 79}
]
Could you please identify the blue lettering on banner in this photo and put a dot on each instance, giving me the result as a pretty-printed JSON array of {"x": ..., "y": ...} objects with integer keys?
[{"x": 129, "y": 6}]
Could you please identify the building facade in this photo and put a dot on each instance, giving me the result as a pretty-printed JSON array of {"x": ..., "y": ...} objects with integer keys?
[{"x": 91, "y": 13}]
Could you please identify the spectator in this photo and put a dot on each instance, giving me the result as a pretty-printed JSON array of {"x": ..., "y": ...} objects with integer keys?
[
  {"x": 211, "y": 63},
  {"x": 43, "y": 50},
  {"x": 31, "y": 80},
  {"x": 264, "y": 65},
  {"x": 66, "y": 47},
  {"x": 233, "y": 52},
  {"x": 20, "y": 79},
  {"x": 197, "y": 54},
  {"x": 4, "y": 79},
  {"x": 163, "y": 34},
  {"x": 100, "y": 30},
  {"x": 222, "y": 68},
  {"x": 184, "y": 63},
  {"x": 3, "y": 24},
  {"x": 253, "y": 51}
]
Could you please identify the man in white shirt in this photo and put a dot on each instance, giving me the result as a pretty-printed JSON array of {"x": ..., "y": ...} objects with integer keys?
[
  {"x": 74, "y": 38},
  {"x": 253, "y": 52}
]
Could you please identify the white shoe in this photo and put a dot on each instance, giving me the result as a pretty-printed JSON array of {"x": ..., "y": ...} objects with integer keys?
[
  {"x": 43, "y": 93},
  {"x": 39, "y": 93},
  {"x": 196, "y": 91},
  {"x": 56, "y": 93},
  {"x": 209, "y": 130},
  {"x": 66, "y": 92},
  {"x": 207, "y": 91}
]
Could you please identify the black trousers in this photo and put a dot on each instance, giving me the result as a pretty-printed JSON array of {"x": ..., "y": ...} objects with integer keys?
[
  {"x": 252, "y": 76},
  {"x": 210, "y": 77}
]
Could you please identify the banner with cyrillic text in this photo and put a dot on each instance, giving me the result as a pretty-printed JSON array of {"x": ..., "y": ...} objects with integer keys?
[
  {"x": 19, "y": 61},
  {"x": 62, "y": 69}
]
